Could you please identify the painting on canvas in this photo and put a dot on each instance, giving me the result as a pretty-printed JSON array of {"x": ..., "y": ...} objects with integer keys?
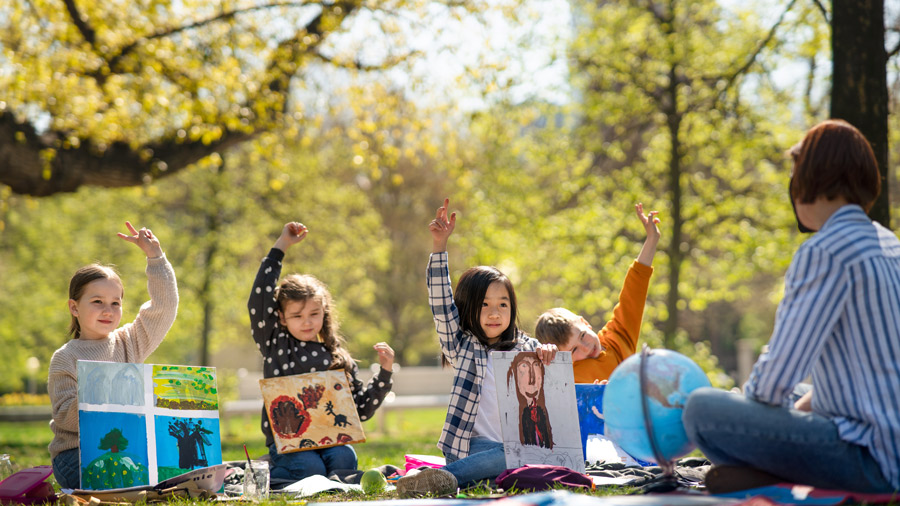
[
  {"x": 140, "y": 424},
  {"x": 589, "y": 398},
  {"x": 311, "y": 411},
  {"x": 538, "y": 413}
]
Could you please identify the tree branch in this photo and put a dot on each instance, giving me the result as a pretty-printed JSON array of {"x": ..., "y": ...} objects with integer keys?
[
  {"x": 823, "y": 10},
  {"x": 27, "y": 172},
  {"x": 166, "y": 32},
  {"x": 358, "y": 65},
  {"x": 765, "y": 42},
  {"x": 86, "y": 31}
]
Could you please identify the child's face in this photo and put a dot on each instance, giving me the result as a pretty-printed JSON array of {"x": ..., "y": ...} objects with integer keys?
[
  {"x": 303, "y": 318},
  {"x": 583, "y": 341},
  {"x": 99, "y": 310},
  {"x": 495, "y": 311}
]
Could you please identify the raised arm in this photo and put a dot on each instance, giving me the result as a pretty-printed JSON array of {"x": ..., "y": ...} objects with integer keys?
[
  {"x": 650, "y": 222},
  {"x": 440, "y": 292},
  {"x": 156, "y": 316},
  {"x": 261, "y": 304}
]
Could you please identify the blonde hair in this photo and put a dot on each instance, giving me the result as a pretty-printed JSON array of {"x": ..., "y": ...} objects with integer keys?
[
  {"x": 80, "y": 280},
  {"x": 303, "y": 288},
  {"x": 555, "y": 326}
]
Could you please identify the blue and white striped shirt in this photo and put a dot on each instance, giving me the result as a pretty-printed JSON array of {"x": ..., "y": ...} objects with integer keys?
[
  {"x": 840, "y": 321},
  {"x": 466, "y": 353}
]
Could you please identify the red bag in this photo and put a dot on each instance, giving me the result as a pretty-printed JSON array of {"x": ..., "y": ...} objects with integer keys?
[{"x": 543, "y": 477}]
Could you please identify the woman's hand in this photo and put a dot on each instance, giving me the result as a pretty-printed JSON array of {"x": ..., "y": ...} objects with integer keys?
[{"x": 144, "y": 239}]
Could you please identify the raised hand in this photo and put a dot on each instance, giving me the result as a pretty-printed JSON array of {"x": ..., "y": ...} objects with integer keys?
[
  {"x": 292, "y": 233},
  {"x": 649, "y": 220},
  {"x": 385, "y": 355},
  {"x": 144, "y": 239},
  {"x": 441, "y": 227}
]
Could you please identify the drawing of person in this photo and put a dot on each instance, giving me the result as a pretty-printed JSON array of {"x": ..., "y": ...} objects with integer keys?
[{"x": 534, "y": 426}]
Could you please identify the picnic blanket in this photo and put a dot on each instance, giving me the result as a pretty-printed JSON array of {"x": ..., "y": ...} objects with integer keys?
[{"x": 788, "y": 493}]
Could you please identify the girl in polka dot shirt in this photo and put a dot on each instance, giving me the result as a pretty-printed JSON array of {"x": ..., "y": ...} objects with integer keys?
[{"x": 295, "y": 329}]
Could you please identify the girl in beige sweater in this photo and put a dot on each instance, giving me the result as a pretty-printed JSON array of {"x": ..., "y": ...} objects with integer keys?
[{"x": 95, "y": 302}]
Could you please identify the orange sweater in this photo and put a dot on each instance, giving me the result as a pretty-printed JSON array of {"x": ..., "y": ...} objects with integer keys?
[{"x": 620, "y": 334}]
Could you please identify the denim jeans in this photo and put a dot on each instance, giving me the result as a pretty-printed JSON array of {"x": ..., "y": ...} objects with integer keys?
[
  {"x": 298, "y": 465},
  {"x": 486, "y": 461},
  {"x": 66, "y": 469},
  {"x": 798, "y": 446}
]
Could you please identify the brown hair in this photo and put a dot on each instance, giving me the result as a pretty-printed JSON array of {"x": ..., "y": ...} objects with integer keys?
[
  {"x": 555, "y": 326},
  {"x": 80, "y": 280},
  {"x": 833, "y": 160},
  {"x": 302, "y": 288}
]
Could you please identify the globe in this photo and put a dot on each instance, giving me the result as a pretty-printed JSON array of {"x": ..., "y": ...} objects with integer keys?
[{"x": 670, "y": 378}]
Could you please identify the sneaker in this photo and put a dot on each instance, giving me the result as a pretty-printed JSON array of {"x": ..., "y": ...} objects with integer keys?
[{"x": 427, "y": 481}]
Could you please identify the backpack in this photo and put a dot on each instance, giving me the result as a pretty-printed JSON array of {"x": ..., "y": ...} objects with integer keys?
[{"x": 543, "y": 477}]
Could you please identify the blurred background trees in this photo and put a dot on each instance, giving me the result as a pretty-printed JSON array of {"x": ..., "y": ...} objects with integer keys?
[{"x": 544, "y": 121}]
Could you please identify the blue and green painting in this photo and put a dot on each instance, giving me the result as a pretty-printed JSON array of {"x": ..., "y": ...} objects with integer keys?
[
  {"x": 113, "y": 450},
  {"x": 184, "y": 444},
  {"x": 589, "y": 399},
  {"x": 185, "y": 387}
]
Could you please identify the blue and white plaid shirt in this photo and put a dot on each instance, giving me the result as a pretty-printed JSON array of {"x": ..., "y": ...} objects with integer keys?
[
  {"x": 465, "y": 352},
  {"x": 840, "y": 321}
]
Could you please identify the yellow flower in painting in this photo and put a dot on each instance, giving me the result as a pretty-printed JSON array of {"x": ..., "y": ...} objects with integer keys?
[
  {"x": 115, "y": 462},
  {"x": 124, "y": 472}
]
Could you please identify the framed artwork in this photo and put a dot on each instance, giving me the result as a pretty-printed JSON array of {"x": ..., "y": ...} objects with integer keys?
[
  {"x": 311, "y": 411},
  {"x": 140, "y": 424},
  {"x": 538, "y": 413}
]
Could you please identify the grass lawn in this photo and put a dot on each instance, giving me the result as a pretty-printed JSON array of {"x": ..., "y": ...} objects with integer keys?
[{"x": 411, "y": 431}]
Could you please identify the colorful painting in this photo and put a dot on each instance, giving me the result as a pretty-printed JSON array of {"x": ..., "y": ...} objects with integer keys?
[
  {"x": 137, "y": 428},
  {"x": 110, "y": 383},
  {"x": 185, "y": 387},
  {"x": 185, "y": 444},
  {"x": 113, "y": 450},
  {"x": 589, "y": 399},
  {"x": 310, "y": 411},
  {"x": 538, "y": 413}
]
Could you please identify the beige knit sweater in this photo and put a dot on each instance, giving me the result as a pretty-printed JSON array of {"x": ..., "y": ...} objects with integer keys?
[{"x": 133, "y": 342}]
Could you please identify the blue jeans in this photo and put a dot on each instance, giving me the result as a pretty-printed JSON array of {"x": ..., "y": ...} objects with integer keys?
[
  {"x": 797, "y": 446},
  {"x": 298, "y": 465},
  {"x": 486, "y": 461},
  {"x": 66, "y": 469}
]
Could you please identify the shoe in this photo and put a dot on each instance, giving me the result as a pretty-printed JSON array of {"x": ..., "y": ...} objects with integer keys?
[
  {"x": 727, "y": 479},
  {"x": 427, "y": 481}
]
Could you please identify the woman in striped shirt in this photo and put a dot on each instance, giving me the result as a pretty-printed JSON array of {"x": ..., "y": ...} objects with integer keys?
[{"x": 839, "y": 321}]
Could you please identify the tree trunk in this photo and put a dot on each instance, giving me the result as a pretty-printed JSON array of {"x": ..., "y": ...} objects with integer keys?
[
  {"x": 859, "y": 81},
  {"x": 673, "y": 121}
]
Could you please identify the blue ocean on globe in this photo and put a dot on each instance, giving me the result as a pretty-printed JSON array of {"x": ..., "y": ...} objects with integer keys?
[{"x": 671, "y": 378}]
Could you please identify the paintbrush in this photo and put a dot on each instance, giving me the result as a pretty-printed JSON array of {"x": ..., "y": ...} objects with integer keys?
[{"x": 249, "y": 464}]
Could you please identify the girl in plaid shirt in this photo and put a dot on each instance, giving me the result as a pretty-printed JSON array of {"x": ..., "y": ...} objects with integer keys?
[{"x": 478, "y": 318}]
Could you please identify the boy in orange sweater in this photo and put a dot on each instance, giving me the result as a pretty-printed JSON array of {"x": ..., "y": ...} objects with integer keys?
[{"x": 596, "y": 355}]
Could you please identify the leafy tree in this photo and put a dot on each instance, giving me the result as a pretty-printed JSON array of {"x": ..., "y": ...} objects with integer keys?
[
  {"x": 116, "y": 94},
  {"x": 113, "y": 441}
]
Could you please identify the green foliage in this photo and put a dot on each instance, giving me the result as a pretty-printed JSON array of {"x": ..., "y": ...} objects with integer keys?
[{"x": 114, "y": 441}]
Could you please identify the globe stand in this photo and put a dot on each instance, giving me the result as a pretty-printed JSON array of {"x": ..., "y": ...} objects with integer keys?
[{"x": 668, "y": 480}]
